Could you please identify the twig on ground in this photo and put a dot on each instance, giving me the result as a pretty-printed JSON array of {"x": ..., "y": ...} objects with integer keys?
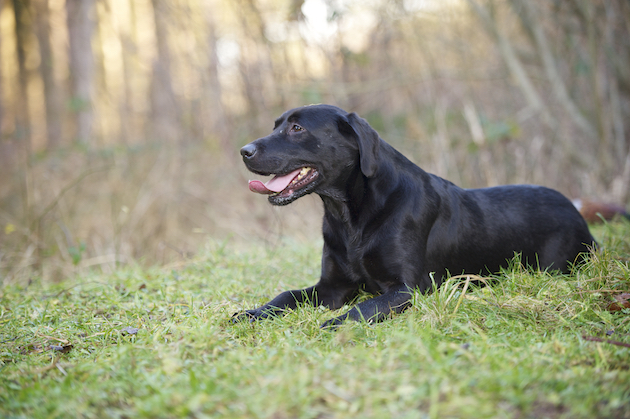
[{"x": 612, "y": 342}]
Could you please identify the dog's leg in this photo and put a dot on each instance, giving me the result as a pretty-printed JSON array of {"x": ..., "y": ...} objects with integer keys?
[
  {"x": 316, "y": 295},
  {"x": 377, "y": 308},
  {"x": 287, "y": 300}
]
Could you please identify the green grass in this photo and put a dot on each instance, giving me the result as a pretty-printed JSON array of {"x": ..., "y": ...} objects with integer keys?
[{"x": 515, "y": 349}]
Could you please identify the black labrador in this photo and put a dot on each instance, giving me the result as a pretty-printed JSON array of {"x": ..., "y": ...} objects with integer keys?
[{"x": 389, "y": 226}]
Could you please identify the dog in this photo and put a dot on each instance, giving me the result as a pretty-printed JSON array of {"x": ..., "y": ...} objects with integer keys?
[{"x": 391, "y": 228}]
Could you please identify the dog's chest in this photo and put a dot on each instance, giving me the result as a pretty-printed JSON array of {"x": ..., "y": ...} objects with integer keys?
[{"x": 356, "y": 262}]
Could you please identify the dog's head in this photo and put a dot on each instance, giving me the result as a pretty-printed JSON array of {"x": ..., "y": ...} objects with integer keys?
[{"x": 311, "y": 149}]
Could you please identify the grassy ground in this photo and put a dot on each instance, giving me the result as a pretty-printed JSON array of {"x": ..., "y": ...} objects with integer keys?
[{"x": 159, "y": 343}]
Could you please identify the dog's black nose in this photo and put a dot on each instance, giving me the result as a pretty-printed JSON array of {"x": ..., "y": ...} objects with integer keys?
[{"x": 248, "y": 151}]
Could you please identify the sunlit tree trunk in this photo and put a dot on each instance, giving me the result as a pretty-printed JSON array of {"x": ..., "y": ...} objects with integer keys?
[
  {"x": 80, "y": 14},
  {"x": 164, "y": 126},
  {"x": 22, "y": 133},
  {"x": 219, "y": 119},
  {"x": 164, "y": 110}
]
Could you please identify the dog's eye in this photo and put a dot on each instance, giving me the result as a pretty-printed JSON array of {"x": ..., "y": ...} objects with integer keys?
[{"x": 296, "y": 128}]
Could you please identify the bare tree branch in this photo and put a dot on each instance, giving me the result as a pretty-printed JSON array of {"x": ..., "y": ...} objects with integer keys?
[
  {"x": 529, "y": 18},
  {"x": 513, "y": 62}
]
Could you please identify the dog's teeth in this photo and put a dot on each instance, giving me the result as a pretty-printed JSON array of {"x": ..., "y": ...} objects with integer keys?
[{"x": 300, "y": 175}]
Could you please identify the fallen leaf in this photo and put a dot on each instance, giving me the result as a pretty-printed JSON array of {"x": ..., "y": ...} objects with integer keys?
[
  {"x": 64, "y": 349},
  {"x": 31, "y": 348},
  {"x": 623, "y": 301},
  {"x": 130, "y": 330}
]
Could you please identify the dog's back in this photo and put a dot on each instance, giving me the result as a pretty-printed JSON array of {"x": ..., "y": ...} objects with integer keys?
[{"x": 495, "y": 224}]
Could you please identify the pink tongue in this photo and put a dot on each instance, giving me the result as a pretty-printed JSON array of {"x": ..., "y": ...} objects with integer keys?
[{"x": 277, "y": 184}]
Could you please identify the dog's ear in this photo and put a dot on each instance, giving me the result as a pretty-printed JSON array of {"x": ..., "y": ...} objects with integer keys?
[{"x": 367, "y": 139}]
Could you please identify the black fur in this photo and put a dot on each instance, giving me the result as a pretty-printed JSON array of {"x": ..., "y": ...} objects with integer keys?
[{"x": 388, "y": 224}]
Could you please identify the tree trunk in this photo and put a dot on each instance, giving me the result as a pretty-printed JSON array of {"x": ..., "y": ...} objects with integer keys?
[
  {"x": 164, "y": 108},
  {"x": 217, "y": 117},
  {"x": 52, "y": 98},
  {"x": 80, "y": 28},
  {"x": 22, "y": 120}
]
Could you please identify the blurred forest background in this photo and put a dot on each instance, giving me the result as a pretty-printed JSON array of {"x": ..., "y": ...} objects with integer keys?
[{"x": 121, "y": 120}]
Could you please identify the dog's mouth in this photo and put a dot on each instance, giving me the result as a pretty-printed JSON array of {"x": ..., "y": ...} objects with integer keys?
[{"x": 283, "y": 189}]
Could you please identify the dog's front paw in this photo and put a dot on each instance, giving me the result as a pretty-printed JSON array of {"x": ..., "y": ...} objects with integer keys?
[
  {"x": 249, "y": 315},
  {"x": 334, "y": 323}
]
